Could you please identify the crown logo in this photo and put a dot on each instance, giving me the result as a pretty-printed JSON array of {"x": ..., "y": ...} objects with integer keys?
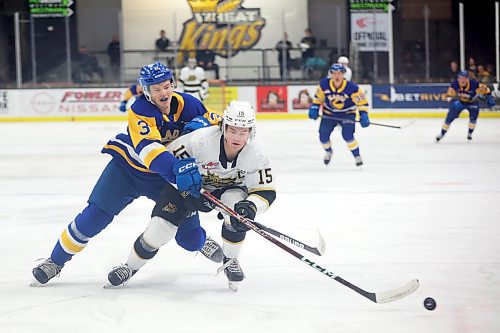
[
  {"x": 228, "y": 5},
  {"x": 203, "y": 6},
  {"x": 208, "y": 6}
]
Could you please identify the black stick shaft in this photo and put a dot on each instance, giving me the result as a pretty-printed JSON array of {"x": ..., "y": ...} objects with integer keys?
[
  {"x": 371, "y": 123},
  {"x": 251, "y": 224},
  {"x": 288, "y": 239}
]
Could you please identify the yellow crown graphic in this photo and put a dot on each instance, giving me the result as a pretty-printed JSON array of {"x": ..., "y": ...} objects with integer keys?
[{"x": 204, "y": 6}]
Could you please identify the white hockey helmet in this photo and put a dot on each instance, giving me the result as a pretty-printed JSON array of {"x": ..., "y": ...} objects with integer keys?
[
  {"x": 239, "y": 114},
  {"x": 343, "y": 60},
  {"x": 192, "y": 63}
]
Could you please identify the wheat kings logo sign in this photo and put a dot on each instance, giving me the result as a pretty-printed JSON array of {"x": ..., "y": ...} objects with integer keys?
[{"x": 219, "y": 26}]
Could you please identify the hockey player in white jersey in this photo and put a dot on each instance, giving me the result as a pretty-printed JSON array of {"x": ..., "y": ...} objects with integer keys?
[
  {"x": 192, "y": 80},
  {"x": 234, "y": 167}
]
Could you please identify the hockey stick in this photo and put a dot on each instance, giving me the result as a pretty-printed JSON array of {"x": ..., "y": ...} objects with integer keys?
[
  {"x": 318, "y": 250},
  {"x": 383, "y": 297},
  {"x": 357, "y": 121}
]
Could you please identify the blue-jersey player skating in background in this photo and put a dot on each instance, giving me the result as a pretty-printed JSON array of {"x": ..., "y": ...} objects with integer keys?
[
  {"x": 141, "y": 166},
  {"x": 464, "y": 93},
  {"x": 133, "y": 92},
  {"x": 340, "y": 99}
]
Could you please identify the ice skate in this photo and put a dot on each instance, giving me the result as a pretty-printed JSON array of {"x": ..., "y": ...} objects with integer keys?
[
  {"x": 439, "y": 137},
  {"x": 120, "y": 275},
  {"x": 233, "y": 272},
  {"x": 212, "y": 250},
  {"x": 328, "y": 157},
  {"x": 45, "y": 271},
  {"x": 359, "y": 161},
  {"x": 469, "y": 136}
]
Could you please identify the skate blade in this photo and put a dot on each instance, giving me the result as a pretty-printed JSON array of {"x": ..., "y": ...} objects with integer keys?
[
  {"x": 233, "y": 285},
  {"x": 110, "y": 286},
  {"x": 35, "y": 283}
]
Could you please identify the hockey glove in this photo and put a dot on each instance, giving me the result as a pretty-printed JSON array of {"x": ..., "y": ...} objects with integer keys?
[
  {"x": 314, "y": 111},
  {"x": 364, "y": 120},
  {"x": 198, "y": 204},
  {"x": 490, "y": 101},
  {"x": 194, "y": 124},
  {"x": 123, "y": 106},
  {"x": 188, "y": 177},
  {"x": 246, "y": 209}
]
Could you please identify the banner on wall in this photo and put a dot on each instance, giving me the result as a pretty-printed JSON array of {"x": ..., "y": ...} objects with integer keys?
[
  {"x": 4, "y": 101},
  {"x": 220, "y": 26},
  {"x": 71, "y": 102},
  {"x": 369, "y": 24},
  {"x": 424, "y": 96},
  {"x": 272, "y": 99}
]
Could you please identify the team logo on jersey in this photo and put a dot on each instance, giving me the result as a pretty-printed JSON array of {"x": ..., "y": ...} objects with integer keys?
[
  {"x": 219, "y": 26},
  {"x": 170, "y": 208},
  {"x": 210, "y": 165},
  {"x": 212, "y": 179}
]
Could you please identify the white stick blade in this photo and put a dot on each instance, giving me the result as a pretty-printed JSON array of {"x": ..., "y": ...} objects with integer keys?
[
  {"x": 321, "y": 245},
  {"x": 395, "y": 294}
]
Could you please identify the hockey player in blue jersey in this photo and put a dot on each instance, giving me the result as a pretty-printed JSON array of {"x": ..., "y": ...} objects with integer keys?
[
  {"x": 141, "y": 166},
  {"x": 340, "y": 99},
  {"x": 129, "y": 96},
  {"x": 464, "y": 93}
]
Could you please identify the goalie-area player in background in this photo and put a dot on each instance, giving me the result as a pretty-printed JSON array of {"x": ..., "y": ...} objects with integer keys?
[
  {"x": 339, "y": 100},
  {"x": 234, "y": 167},
  {"x": 130, "y": 96},
  {"x": 140, "y": 166},
  {"x": 192, "y": 80},
  {"x": 464, "y": 93}
]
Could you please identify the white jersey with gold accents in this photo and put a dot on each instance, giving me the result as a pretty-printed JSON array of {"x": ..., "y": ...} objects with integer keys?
[
  {"x": 251, "y": 168},
  {"x": 193, "y": 81}
]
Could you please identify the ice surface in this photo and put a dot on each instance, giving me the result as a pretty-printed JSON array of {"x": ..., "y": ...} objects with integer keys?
[{"x": 416, "y": 209}]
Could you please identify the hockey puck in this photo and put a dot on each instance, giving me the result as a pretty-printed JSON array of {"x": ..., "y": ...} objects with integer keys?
[{"x": 430, "y": 303}]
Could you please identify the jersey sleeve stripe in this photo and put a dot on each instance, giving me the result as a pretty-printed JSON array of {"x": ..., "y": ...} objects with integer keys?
[
  {"x": 112, "y": 149},
  {"x": 150, "y": 152}
]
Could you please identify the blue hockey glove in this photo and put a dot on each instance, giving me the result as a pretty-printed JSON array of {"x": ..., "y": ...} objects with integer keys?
[
  {"x": 246, "y": 209},
  {"x": 194, "y": 124},
  {"x": 188, "y": 177},
  {"x": 364, "y": 120},
  {"x": 314, "y": 111},
  {"x": 123, "y": 106},
  {"x": 490, "y": 101}
]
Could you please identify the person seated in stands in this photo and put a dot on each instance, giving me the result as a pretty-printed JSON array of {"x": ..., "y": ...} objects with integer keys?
[
  {"x": 89, "y": 70},
  {"x": 206, "y": 59}
]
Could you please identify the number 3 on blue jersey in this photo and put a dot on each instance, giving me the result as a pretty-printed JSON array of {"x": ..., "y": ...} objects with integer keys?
[{"x": 144, "y": 126}]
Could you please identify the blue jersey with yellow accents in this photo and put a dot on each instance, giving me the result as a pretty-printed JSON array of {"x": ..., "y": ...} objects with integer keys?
[
  {"x": 467, "y": 93},
  {"x": 346, "y": 99},
  {"x": 130, "y": 92},
  {"x": 142, "y": 148}
]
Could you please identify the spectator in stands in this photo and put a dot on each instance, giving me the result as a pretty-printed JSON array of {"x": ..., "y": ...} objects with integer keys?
[
  {"x": 163, "y": 42},
  {"x": 472, "y": 66},
  {"x": 483, "y": 76},
  {"x": 489, "y": 68},
  {"x": 88, "y": 67},
  {"x": 307, "y": 45},
  {"x": 114, "y": 57},
  {"x": 453, "y": 70},
  {"x": 206, "y": 59},
  {"x": 283, "y": 47}
]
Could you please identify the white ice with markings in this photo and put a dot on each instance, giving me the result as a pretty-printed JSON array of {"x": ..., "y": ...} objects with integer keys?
[{"x": 416, "y": 209}]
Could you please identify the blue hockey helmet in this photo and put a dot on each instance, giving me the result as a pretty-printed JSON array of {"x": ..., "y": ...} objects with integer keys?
[
  {"x": 337, "y": 68},
  {"x": 462, "y": 73},
  {"x": 153, "y": 74}
]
